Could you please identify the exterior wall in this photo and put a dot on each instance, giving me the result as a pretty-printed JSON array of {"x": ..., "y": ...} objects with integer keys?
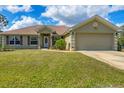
[
  {"x": 73, "y": 41},
  {"x": 3, "y": 41},
  {"x": 41, "y": 40},
  {"x": 25, "y": 40},
  {"x": 115, "y": 46},
  {"x": 68, "y": 41},
  {"x": 23, "y": 46}
]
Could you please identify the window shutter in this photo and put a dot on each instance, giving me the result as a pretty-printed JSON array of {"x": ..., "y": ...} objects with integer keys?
[
  {"x": 21, "y": 40},
  {"x": 7, "y": 40},
  {"x": 28, "y": 40}
]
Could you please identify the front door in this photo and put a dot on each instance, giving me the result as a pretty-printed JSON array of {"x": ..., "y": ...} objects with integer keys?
[{"x": 46, "y": 41}]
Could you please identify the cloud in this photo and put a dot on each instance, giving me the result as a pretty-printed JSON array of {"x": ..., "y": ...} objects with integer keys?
[
  {"x": 120, "y": 24},
  {"x": 24, "y": 22},
  {"x": 65, "y": 14},
  {"x": 71, "y": 15},
  {"x": 2, "y": 7},
  {"x": 15, "y": 8},
  {"x": 115, "y": 8}
]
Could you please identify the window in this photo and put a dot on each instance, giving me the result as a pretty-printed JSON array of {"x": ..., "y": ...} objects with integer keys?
[
  {"x": 14, "y": 40},
  {"x": 33, "y": 40}
]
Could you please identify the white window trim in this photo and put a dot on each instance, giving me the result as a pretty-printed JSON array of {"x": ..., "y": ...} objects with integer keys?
[
  {"x": 33, "y": 40},
  {"x": 14, "y": 42}
]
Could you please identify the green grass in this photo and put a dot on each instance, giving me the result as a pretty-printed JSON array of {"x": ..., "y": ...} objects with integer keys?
[{"x": 37, "y": 68}]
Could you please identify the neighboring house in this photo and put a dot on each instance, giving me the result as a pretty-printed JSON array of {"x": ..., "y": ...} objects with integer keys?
[
  {"x": 121, "y": 34},
  {"x": 95, "y": 33},
  {"x": 122, "y": 31}
]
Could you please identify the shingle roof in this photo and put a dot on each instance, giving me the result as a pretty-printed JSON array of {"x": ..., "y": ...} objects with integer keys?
[{"x": 32, "y": 30}]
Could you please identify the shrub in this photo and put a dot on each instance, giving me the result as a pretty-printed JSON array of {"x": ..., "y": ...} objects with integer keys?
[
  {"x": 60, "y": 44},
  {"x": 0, "y": 47},
  {"x": 119, "y": 46},
  {"x": 6, "y": 48}
]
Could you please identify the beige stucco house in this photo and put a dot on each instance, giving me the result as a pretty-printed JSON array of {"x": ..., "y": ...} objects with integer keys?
[{"x": 95, "y": 33}]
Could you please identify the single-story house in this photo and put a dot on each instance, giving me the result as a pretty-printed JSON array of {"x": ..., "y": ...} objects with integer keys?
[{"x": 95, "y": 33}]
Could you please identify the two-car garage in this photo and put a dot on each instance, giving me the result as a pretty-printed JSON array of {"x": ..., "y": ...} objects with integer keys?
[{"x": 94, "y": 41}]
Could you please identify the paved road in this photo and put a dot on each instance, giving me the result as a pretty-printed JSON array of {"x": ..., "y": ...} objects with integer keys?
[{"x": 113, "y": 58}]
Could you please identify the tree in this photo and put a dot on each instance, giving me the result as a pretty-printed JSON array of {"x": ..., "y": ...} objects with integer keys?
[{"x": 3, "y": 21}]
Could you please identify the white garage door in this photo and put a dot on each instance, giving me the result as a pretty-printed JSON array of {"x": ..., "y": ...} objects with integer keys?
[{"x": 94, "y": 41}]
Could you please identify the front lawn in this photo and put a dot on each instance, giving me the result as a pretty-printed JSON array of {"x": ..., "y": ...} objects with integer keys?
[{"x": 37, "y": 68}]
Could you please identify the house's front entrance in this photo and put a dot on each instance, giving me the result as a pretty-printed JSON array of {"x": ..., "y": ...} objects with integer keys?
[{"x": 46, "y": 42}]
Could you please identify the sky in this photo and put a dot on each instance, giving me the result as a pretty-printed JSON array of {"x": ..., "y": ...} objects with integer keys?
[{"x": 28, "y": 15}]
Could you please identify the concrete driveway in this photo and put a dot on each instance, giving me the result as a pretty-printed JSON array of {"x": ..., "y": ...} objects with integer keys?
[{"x": 113, "y": 58}]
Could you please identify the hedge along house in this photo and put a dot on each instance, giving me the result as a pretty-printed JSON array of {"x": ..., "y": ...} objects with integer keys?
[{"x": 95, "y": 33}]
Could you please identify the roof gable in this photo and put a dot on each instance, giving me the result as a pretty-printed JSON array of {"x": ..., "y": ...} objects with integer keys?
[
  {"x": 45, "y": 29},
  {"x": 60, "y": 30},
  {"x": 99, "y": 19},
  {"x": 94, "y": 27}
]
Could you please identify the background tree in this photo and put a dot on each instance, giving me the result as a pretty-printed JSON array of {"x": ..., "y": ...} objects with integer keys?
[{"x": 3, "y": 21}]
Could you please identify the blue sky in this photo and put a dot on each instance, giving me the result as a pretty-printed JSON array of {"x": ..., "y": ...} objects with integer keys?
[{"x": 22, "y": 16}]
